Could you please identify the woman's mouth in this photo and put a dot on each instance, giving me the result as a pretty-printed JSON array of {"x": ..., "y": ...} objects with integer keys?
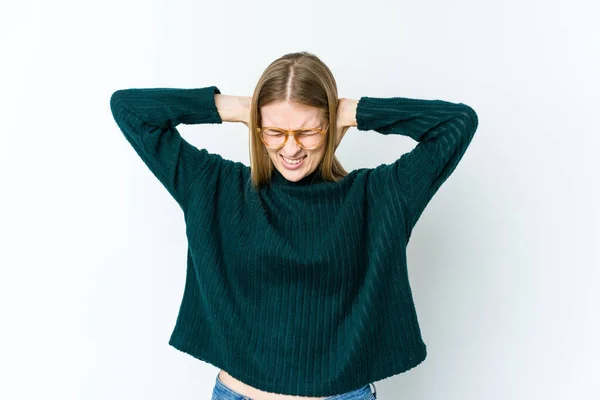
[{"x": 291, "y": 163}]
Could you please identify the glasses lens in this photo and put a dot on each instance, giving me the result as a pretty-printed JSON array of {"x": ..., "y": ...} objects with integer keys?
[
  {"x": 310, "y": 138},
  {"x": 273, "y": 137}
]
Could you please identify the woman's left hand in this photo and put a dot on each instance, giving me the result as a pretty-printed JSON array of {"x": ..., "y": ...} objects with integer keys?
[{"x": 346, "y": 117}]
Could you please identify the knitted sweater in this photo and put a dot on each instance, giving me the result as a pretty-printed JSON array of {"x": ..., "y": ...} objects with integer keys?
[{"x": 298, "y": 288}]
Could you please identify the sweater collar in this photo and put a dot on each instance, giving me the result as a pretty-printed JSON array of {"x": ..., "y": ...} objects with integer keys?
[{"x": 278, "y": 179}]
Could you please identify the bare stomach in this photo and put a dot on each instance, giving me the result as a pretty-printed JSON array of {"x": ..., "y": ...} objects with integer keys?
[{"x": 256, "y": 394}]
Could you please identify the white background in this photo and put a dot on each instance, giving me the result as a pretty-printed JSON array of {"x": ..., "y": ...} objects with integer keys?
[{"x": 504, "y": 263}]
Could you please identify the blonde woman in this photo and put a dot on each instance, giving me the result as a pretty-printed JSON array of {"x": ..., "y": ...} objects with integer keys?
[{"x": 297, "y": 283}]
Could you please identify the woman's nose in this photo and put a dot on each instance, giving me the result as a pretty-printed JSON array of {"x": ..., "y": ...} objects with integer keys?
[{"x": 291, "y": 146}]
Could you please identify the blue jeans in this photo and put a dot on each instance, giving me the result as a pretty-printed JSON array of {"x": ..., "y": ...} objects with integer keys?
[{"x": 222, "y": 392}]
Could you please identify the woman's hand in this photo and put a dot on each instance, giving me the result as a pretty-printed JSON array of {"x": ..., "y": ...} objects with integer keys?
[
  {"x": 245, "y": 110},
  {"x": 346, "y": 117},
  {"x": 233, "y": 108}
]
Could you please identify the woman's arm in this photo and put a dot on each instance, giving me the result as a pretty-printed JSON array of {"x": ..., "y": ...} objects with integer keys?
[
  {"x": 148, "y": 118},
  {"x": 443, "y": 131}
]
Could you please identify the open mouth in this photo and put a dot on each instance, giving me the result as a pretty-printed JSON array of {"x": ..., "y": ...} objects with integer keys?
[{"x": 292, "y": 164}]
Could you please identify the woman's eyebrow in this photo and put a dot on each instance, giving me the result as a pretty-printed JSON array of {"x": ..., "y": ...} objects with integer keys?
[{"x": 307, "y": 125}]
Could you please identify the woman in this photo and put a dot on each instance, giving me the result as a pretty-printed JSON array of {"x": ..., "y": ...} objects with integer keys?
[{"x": 297, "y": 283}]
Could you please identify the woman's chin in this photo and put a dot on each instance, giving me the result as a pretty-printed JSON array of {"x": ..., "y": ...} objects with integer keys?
[{"x": 293, "y": 175}]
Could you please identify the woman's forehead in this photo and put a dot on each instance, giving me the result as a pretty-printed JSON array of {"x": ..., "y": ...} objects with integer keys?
[{"x": 287, "y": 114}]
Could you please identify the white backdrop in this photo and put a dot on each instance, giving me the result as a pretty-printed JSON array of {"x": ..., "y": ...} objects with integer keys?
[{"x": 504, "y": 263}]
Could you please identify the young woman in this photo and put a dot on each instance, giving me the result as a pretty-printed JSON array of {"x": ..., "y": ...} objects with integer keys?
[{"x": 297, "y": 284}]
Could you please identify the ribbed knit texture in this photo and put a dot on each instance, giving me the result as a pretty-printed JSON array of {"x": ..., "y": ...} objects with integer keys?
[{"x": 299, "y": 288}]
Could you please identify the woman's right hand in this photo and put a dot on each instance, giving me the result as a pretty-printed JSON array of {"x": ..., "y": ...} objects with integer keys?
[
  {"x": 245, "y": 110},
  {"x": 233, "y": 108}
]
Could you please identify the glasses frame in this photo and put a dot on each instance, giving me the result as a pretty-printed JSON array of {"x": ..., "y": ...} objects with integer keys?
[{"x": 288, "y": 132}]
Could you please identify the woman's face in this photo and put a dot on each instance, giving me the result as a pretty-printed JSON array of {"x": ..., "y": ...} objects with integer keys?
[{"x": 288, "y": 115}]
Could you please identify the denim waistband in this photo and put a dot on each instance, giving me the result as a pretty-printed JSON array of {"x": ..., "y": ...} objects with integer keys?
[{"x": 222, "y": 392}]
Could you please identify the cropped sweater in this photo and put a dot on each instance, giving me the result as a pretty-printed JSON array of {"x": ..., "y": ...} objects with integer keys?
[{"x": 297, "y": 288}]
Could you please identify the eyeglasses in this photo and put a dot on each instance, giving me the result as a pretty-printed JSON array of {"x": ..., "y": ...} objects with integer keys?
[{"x": 307, "y": 138}]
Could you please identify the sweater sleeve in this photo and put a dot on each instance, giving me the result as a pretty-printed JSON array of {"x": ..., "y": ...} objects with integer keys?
[
  {"x": 443, "y": 131},
  {"x": 148, "y": 117}
]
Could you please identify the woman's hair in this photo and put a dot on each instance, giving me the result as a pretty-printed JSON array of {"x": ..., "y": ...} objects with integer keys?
[{"x": 301, "y": 78}]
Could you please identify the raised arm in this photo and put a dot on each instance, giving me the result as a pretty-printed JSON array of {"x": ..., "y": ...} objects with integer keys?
[
  {"x": 443, "y": 131},
  {"x": 148, "y": 117}
]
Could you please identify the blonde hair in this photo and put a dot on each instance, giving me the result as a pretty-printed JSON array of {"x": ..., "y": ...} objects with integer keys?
[{"x": 300, "y": 78}]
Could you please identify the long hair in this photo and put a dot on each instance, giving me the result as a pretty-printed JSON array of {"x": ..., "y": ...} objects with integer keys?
[{"x": 300, "y": 78}]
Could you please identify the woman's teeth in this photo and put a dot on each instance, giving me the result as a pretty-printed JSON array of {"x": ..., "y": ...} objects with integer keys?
[{"x": 292, "y": 161}]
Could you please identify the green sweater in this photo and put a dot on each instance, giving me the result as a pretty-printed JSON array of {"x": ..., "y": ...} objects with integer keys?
[{"x": 298, "y": 288}]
